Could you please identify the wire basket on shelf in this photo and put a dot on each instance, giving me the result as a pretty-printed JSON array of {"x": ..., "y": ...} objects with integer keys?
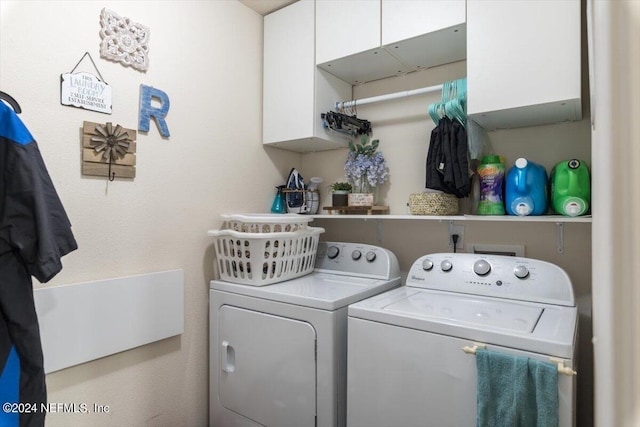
[
  {"x": 302, "y": 201},
  {"x": 433, "y": 204},
  {"x": 260, "y": 259}
]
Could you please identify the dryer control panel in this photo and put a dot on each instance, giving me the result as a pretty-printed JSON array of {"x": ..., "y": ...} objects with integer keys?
[
  {"x": 497, "y": 276},
  {"x": 357, "y": 259}
]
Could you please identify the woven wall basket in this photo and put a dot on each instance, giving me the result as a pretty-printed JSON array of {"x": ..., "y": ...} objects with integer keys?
[{"x": 433, "y": 204}]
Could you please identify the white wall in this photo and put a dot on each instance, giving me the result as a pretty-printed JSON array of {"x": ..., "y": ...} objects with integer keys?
[
  {"x": 207, "y": 56},
  {"x": 616, "y": 233}
]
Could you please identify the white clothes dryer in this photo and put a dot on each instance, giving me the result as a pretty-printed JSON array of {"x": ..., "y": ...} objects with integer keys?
[
  {"x": 409, "y": 363},
  {"x": 278, "y": 353}
]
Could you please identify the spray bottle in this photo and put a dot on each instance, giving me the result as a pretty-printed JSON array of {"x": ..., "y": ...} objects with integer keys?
[{"x": 278, "y": 202}]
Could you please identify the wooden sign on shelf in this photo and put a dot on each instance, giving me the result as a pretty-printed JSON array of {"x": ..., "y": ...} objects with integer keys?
[
  {"x": 360, "y": 199},
  {"x": 105, "y": 143}
]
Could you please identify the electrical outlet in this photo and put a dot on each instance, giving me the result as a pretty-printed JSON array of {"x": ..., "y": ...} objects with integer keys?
[{"x": 459, "y": 230}]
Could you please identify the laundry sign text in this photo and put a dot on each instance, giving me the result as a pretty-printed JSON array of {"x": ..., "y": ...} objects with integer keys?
[{"x": 84, "y": 90}]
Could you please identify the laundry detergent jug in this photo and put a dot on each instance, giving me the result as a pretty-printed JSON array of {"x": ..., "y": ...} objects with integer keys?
[
  {"x": 570, "y": 188},
  {"x": 526, "y": 189}
]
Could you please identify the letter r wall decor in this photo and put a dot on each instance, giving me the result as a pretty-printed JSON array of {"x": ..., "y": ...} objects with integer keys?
[{"x": 147, "y": 111}]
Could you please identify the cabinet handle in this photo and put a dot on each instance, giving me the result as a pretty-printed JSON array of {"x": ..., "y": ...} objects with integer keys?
[{"x": 228, "y": 358}]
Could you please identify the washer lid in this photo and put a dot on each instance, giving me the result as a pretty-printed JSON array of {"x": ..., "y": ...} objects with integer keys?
[
  {"x": 468, "y": 310},
  {"x": 324, "y": 291},
  {"x": 528, "y": 326}
]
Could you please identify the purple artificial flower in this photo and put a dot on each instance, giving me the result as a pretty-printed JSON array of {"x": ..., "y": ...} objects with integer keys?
[{"x": 364, "y": 171}]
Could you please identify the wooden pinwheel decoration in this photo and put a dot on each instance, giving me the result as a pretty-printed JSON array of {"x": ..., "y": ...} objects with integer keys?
[
  {"x": 113, "y": 142},
  {"x": 108, "y": 150}
]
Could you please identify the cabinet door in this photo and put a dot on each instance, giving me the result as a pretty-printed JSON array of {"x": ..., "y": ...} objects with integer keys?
[
  {"x": 523, "y": 62},
  {"x": 406, "y": 19},
  {"x": 346, "y": 27},
  {"x": 268, "y": 367},
  {"x": 425, "y": 34},
  {"x": 295, "y": 93},
  {"x": 289, "y": 72}
]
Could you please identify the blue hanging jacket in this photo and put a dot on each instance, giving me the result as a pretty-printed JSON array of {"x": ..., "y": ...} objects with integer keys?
[{"x": 35, "y": 233}]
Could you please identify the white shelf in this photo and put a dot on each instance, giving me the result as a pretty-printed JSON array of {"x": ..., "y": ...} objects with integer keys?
[
  {"x": 558, "y": 220},
  {"x": 482, "y": 218}
]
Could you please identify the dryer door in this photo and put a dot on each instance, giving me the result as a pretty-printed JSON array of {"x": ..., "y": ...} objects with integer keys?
[{"x": 268, "y": 367}]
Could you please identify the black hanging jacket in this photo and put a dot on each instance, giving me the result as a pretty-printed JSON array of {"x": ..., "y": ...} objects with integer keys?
[
  {"x": 34, "y": 234},
  {"x": 447, "y": 159}
]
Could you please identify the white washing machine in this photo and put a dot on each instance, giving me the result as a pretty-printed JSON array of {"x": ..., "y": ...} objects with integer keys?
[
  {"x": 278, "y": 353},
  {"x": 411, "y": 350}
]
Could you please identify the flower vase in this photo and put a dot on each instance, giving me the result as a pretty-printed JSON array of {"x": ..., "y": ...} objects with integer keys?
[
  {"x": 361, "y": 185},
  {"x": 376, "y": 195},
  {"x": 362, "y": 194}
]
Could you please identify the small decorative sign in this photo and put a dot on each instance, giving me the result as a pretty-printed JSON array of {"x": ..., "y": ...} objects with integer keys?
[
  {"x": 108, "y": 150},
  {"x": 360, "y": 199},
  {"x": 84, "y": 90}
]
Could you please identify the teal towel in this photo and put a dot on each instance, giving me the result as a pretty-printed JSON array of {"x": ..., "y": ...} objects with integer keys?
[{"x": 516, "y": 391}]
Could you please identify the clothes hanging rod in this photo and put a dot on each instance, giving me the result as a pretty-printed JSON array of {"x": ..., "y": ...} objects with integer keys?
[{"x": 387, "y": 97}]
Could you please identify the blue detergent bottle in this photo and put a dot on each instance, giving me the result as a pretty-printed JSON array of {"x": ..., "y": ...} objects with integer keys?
[{"x": 526, "y": 189}]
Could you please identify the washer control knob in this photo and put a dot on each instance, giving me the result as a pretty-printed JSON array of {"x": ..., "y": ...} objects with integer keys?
[
  {"x": 427, "y": 264},
  {"x": 356, "y": 255},
  {"x": 521, "y": 272},
  {"x": 333, "y": 252},
  {"x": 446, "y": 265},
  {"x": 481, "y": 267},
  {"x": 371, "y": 256}
]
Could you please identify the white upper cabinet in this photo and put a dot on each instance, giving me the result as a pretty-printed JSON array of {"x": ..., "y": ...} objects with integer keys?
[
  {"x": 523, "y": 59},
  {"x": 295, "y": 92},
  {"x": 424, "y": 34},
  {"x": 406, "y": 19},
  {"x": 346, "y": 27},
  {"x": 523, "y": 62},
  {"x": 365, "y": 40},
  {"x": 348, "y": 41}
]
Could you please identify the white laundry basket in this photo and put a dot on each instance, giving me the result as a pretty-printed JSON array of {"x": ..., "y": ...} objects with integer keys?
[
  {"x": 266, "y": 223},
  {"x": 260, "y": 259}
]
